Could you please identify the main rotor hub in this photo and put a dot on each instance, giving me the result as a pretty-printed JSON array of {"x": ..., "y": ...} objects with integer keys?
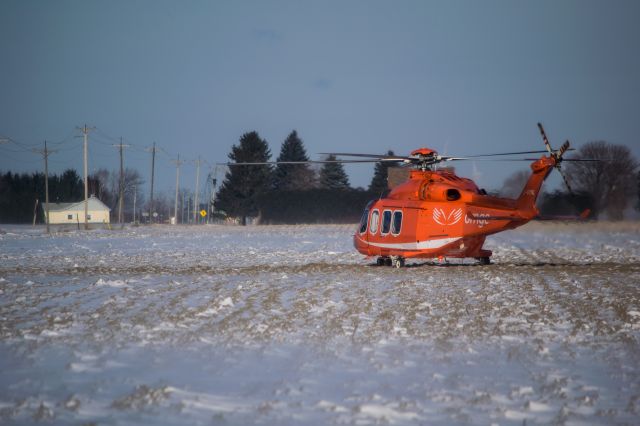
[
  {"x": 424, "y": 152},
  {"x": 425, "y": 158}
]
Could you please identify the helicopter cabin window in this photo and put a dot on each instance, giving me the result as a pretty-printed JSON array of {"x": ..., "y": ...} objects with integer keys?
[
  {"x": 396, "y": 223},
  {"x": 375, "y": 220},
  {"x": 386, "y": 222},
  {"x": 363, "y": 221}
]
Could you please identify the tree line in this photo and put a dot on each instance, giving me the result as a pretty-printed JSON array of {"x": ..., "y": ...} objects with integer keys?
[
  {"x": 23, "y": 195},
  {"x": 291, "y": 193},
  {"x": 286, "y": 193},
  {"x": 298, "y": 193},
  {"x": 315, "y": 191}
]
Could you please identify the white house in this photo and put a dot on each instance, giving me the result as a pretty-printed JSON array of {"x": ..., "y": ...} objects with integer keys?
[{"x": 61, "y": 213}]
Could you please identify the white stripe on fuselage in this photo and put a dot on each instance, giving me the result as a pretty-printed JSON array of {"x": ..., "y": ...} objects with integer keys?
[{"x": 422, "y": 245}]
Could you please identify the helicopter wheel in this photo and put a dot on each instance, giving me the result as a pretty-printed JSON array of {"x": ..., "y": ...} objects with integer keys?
[
  {"x": 484, "y": 260},
  {"x": 397, "y": 262}
]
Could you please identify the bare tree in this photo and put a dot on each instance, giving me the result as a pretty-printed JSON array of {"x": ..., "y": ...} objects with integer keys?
[
  {"x": 512, "y": 186},
  {"x": 99, "y": 187},
  {"x": 132, "y": 188},
  {"x": 162, "y": 207},
  {"x": 610, "y": 181}
]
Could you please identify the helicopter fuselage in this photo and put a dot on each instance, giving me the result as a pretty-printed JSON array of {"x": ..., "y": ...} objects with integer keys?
[{"x": 436, "y": 213}]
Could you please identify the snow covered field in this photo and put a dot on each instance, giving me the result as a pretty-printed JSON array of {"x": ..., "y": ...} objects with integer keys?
[{"x": 289, "y": 325}]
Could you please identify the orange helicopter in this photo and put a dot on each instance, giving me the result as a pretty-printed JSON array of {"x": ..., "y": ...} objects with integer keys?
[{"x": 437, "y": 214}]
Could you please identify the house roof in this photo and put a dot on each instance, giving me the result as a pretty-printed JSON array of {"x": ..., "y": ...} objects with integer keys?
[{"x": 94, "y": 204}]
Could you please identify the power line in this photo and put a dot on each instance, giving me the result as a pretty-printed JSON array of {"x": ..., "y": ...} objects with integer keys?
[{"x": 99, "y": 157}]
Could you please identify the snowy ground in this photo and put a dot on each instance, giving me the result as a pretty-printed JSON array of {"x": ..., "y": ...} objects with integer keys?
[{"x": 288, "y": 325}]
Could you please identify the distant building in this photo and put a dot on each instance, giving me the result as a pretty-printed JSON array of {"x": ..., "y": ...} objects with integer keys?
[{"x": 61, "y": 213}]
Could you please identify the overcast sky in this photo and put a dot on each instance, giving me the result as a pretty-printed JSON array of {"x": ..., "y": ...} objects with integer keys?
[{"x": 462, "y": 77}]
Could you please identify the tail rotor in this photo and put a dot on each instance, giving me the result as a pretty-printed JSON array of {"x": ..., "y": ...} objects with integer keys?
[{"x": 557, "y": 155}]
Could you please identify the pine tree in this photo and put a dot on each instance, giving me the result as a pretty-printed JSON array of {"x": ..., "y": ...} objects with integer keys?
[
  {"x": 243, "y": 184},
  {"x": 70, "y": 188},
  {"x": 293, "y": 176},
  {"x": 379, "y": 182},
  {"x": 333, "y": 176}
]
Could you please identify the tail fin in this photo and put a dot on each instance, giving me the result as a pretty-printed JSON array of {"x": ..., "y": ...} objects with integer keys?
[{"x": 527, "y": 199}]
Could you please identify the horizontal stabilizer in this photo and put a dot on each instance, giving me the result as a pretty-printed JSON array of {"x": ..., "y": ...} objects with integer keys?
[
  {"x": 511, "y": 218},
  {"x": 583, "y": 216}
]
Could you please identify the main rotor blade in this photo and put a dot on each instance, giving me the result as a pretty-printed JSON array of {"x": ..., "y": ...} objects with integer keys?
[
  {"x": 265, "y": 163},
  {"x": 489, "y": 159},
  {"x": 512, "y": 153},
  {"x": 530, "y": 159},
  {"x": 405, "y": 160},
  {"x": 443, "y": 158},
  {"x": 386, "y": 157},
  {"x": 354, "y": 155}
]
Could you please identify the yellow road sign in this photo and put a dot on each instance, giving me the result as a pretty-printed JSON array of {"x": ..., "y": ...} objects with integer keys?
[{"x": 203, "y": 213}]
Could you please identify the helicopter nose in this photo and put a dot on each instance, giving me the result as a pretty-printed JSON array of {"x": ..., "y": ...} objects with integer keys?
[{"x": 359, "y": 244}]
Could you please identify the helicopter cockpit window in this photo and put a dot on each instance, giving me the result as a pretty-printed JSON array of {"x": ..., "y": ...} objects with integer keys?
[
  {"x": 453, "y": 195},
  {"x": 375, "y": 220},
  {"x": 386, "y": 222},
  {"x": 396, "y": 224},
  {"x": 363, "y": 221}
]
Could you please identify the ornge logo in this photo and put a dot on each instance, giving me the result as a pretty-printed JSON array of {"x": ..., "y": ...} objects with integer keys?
[{"x": 440, "y": 217}]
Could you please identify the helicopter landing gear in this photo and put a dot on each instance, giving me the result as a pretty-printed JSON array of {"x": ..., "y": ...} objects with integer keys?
[
  {"x": 485, "y": 260},
  {"x": 395, "y": 261}
]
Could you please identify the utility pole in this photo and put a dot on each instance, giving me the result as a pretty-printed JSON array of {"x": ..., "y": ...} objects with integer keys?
[
  {"x": 210, "y": 197},
  {"x": 182, "y": 209},
  {"x": 45, "y": 154},
  {"x": 153, "y": 168},
  {"x": 85, "y": 133},
  {"x": 121, "y": 181},
  {"x": 135, "y": 195},
  {"x": 195, "y": 204},
  {"x": 35, "y": 211},
  {"x": 175, "y": 209},
  {"x": 214, "y": 184},
  {"x": 46, "y": 182}
]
